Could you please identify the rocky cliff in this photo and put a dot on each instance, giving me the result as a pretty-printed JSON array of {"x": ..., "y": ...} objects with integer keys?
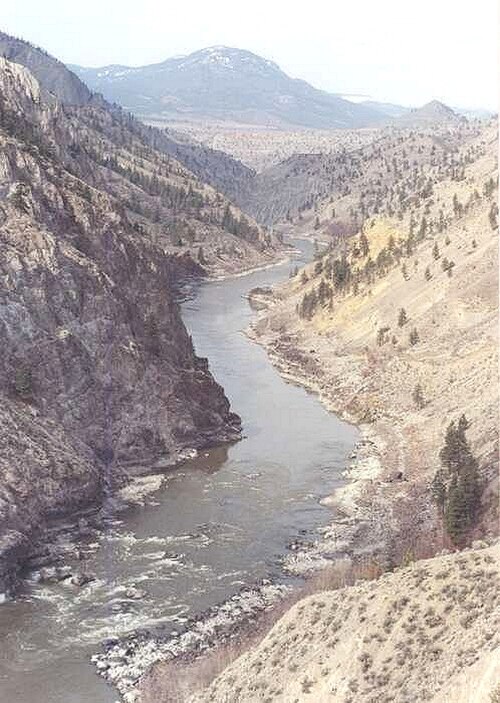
[{"x": 97, "y": 372}]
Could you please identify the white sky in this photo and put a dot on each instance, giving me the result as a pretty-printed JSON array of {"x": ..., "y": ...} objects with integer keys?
[{"x": 397, "y": 50}]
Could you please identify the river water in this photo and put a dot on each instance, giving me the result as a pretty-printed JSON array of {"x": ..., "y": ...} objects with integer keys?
[{"x": 220, "y": 521}]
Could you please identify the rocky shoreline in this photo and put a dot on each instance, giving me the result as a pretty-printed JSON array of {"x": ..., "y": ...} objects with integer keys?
[
  {"x": 351, "y": 529},
  {"x": 123, "y": 662}
]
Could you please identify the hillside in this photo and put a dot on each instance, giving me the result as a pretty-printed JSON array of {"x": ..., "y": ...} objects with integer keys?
[
  {"x": 98, "y": 374},
  {"x": 214, "y": 167},
  {"x": 396, "y": 329},
  {"x": 49, "y": 72},
  {"x": 332, "y": 193},
  {"x": 425, "y": 633},
  {"x": 338, "y": 329},
  {"x": 160, "y": 174},
  {"x": 222, "y": 83}
]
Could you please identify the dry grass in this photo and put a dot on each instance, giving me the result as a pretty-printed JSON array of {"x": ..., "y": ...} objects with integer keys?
[{"x": 400, "y": 638}]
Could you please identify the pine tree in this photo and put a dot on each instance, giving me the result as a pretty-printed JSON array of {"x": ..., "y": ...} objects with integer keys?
[
  {"x": 456, "y": 486},
  {"x": 402, "y": 318},
  {"x": 23, "y": 382},
  {"x": 418, "y": 396},
  {"x": 414, "y": 337},
  {"x": 364, "y": 244},
  {"x": 201, "y": 256},
  {"x": 493, "y": 216}
]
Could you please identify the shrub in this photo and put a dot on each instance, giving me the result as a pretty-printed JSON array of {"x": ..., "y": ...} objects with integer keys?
[
  {"x": 418, "y": 396},
  {"x": 23, "y": 382}
]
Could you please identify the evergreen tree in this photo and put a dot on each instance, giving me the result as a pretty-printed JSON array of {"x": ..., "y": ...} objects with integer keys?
[
  {"x": 363, "y": 242},
  {"x": 23, "y": 382},
  {"x": 414, "y": 337},
  {"x": 418, "y": 396},
  {"x": 402, "y": 318},
  {"x": 493, "y": 216},
  {"x": 456, "y": 486},
  {"x": 201, "y": 256}
]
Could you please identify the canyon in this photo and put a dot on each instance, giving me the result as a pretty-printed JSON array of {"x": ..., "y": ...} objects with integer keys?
[{"x": 150, "y": 275}]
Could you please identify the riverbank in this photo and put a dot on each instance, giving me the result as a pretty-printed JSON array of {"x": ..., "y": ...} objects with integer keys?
[
  {"x": 123, "y": 663},
  {"x": 374, "y": 480}
]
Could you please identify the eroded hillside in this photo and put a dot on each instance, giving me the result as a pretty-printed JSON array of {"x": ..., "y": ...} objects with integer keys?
[{"x": 369, "y": 174}]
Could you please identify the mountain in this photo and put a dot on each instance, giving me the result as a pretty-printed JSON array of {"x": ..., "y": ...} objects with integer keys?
[
  {"x": 333, "y": 192},
  {"x": 50, "y": 72},
  {"x": 434, "y": 112},
  {"x": 222, "y": 83},
  {"x": 389, "y": 109},
  {"x": 215, "y": 167}
]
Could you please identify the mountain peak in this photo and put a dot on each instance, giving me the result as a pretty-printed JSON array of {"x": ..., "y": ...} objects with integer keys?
[
  {"x": 225, "y": 57},
  {"x": 430, "y": 113},
  {"x": 226, "y": 84},
  {"x": 437, "y": 107},
  {"x": 53, "y": 75}
]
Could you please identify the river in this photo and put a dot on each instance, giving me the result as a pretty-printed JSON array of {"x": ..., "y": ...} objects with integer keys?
[{"x": 220, "y": 521}]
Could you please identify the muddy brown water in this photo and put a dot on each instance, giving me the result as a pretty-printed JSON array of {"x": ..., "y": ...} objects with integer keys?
[{"x": 220, "y": 521}]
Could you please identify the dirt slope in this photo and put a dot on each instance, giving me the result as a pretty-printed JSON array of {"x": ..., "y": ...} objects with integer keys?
[{"x": 413, "y": 636}]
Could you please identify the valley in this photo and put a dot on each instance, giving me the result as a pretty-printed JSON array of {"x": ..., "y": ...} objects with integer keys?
[
  {"x": 249, "y": 354},
  {"x": 262, "y": 148}
]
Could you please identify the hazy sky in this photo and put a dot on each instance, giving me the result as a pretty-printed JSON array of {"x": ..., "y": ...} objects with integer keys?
[{"x": 408, "y": 52}]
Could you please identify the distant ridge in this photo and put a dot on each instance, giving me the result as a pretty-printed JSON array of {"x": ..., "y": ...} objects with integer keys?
[
  {"x": 52, "y": 74},
  {"x": 430, "y": 113},
  {"x": 228, "y": 84}
]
